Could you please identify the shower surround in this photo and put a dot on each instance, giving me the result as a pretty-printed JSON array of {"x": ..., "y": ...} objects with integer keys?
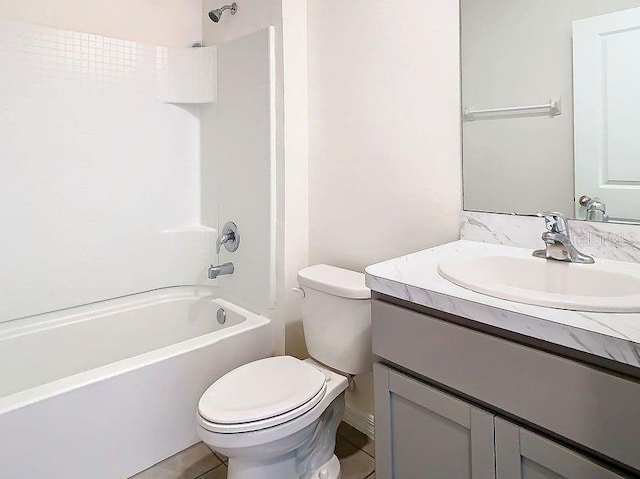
[
  {"x": 120, "y": 160},
  {"x": 99, "y": 176}
]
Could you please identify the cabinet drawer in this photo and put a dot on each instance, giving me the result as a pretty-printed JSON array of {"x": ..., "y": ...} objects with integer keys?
[{"x": 585, "y": 405}]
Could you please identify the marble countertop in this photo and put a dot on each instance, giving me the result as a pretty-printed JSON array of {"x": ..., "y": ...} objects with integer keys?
[{"x": 415, "y": 278}]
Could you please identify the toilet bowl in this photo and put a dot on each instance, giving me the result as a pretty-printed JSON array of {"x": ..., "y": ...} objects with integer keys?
[
  {"x": 269, "y": 448},
  {"x": 277, "y": 418}
]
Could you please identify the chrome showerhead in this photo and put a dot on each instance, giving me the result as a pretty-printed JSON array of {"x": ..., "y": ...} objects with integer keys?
[{"x": 216, "y": 15}]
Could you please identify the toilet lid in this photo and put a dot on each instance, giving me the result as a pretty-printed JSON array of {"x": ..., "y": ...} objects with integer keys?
[{"x": 261, "y": 390}]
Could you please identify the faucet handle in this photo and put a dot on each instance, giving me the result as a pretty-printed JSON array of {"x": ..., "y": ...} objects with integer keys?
[
  {"x": 230, "y": 238},
  {"x": 555, "y": 222},
  {"x": 222, "y": 240}
]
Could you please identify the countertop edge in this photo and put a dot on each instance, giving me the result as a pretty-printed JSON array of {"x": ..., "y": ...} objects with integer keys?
[{"x": 590, "y": 342}]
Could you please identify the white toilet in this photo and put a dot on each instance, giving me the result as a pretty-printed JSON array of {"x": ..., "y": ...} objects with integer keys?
[{"x": 276, "y": 418}]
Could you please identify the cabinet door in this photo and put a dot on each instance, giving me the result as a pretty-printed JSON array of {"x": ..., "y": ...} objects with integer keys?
[
  {"x": 424, "y": 433},
  {"x": 521, "y": 454}
]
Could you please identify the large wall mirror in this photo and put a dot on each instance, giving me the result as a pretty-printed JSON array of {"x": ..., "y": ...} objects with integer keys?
[{"x": 551, "y": 107}]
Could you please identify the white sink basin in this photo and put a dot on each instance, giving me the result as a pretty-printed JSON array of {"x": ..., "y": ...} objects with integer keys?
[{"x": 607, "y": 287}]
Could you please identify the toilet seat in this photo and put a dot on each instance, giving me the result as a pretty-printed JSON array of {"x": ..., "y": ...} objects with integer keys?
[
  {"x": 262, "y": 394},
  {"x": 269, "y": 437},
  {"x": 265, "y": 423}
]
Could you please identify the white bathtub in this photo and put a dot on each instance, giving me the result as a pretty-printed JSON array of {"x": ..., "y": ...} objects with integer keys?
[{"x": 107, "y": 390}]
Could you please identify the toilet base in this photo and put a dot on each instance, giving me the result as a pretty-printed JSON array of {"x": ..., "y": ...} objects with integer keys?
[
  {"x": 282, "y": 469},
  {"x": 331, "y": 470},
  {"x": 307, "y": 454}
]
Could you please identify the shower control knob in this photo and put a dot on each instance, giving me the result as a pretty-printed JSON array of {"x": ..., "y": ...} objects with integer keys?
[{"x": 230, "y": 238}]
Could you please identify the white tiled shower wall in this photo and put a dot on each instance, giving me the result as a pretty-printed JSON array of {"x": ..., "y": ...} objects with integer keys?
[
  {"x": 187, "y": 75},
  {"x": 100, "y": 180}
]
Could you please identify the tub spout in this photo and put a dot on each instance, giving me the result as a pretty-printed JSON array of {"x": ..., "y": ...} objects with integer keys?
[{"x": 220, "y": 270}]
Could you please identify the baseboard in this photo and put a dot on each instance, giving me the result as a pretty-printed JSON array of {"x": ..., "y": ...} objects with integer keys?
[{"x": 360, "y": 420}]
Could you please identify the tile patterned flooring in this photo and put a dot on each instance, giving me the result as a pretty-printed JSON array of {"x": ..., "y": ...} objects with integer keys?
[{"x": 354, "y": 449}]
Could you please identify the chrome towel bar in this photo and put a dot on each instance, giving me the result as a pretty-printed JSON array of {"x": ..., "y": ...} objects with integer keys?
[{"x": 553, "y": 108}]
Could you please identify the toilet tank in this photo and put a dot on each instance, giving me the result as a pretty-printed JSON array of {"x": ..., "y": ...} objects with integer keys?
[{"x": 336, "y": 315}]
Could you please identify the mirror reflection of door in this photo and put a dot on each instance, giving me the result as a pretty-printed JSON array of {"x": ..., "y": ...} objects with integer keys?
[{"x": 606, "y": 51}]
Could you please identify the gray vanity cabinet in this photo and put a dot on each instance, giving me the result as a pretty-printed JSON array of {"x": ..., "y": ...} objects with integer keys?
[
  {"x": 521, "y": 454},
  {"x": 423, "y": 433},
  {"x": 443, "y": 391}
]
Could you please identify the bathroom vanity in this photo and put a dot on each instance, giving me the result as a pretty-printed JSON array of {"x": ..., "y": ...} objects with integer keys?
[{"x": 472, "y": 386}]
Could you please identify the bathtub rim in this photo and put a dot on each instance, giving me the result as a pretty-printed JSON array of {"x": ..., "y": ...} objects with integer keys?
[{"x": 60, "y": 317}]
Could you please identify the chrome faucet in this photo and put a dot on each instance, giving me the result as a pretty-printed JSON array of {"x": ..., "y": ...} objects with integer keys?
[
  {"x": 220, "y": 270},
  {"x": 558, "y": 243},
  {"x": 230, "y": 238}
]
